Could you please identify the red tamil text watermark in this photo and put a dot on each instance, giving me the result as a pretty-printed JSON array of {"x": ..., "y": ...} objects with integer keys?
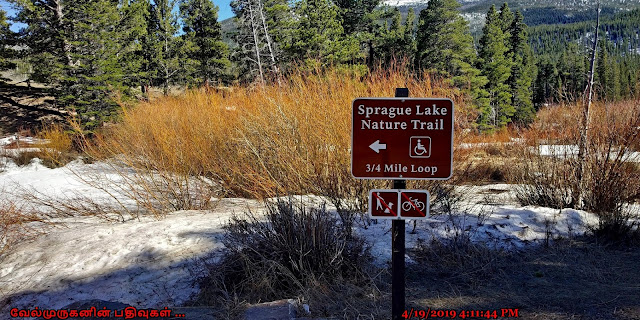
[{"x": 126, "y": 313}]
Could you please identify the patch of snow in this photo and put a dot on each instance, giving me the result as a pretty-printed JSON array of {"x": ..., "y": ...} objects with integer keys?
[
  {"x": 570, "y": 151},
  {"x": 405, "y": 3},
  {"x": 151, "y": 263},
  {"x": 145, "y": 263},
  {"x": 558, "y": 150},
  {"x": 61, "y": 184},
  {"x": 7, "y": 140}
]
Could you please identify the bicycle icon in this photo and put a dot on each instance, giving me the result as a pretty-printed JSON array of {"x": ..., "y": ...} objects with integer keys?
[
  {"x": 420, "y": 147},
  {"x": 412, "y": 204}
]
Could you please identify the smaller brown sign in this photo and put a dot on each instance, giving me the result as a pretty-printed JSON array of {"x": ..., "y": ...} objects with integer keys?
[{"x": 398, "y": 204}]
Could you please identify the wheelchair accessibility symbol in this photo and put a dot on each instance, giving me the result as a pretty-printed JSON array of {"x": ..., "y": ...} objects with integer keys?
[{"x": 420, "y": 147}]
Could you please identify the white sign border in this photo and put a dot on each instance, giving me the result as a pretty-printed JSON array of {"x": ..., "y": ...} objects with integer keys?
[{"x": 401, "y": 99}]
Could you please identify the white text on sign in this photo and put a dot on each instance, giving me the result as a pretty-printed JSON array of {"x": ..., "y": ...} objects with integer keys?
[{"x": 392, "y": 112}]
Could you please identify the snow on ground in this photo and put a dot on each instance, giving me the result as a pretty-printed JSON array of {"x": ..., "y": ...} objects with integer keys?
[
  {"x": 493, "y": 221},
  {"x": 67, "y": 184},
  {"x": 143, "y": 263},
  {"x": 404, "y": 3},
  {"x": 15, "y": 144},
  {"x": 571, "y": 150},
  {"x": 153, "y": 263}
]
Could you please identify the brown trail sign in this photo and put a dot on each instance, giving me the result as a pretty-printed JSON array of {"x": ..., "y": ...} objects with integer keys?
[
  {"x": 405, "y": 138},
  {"x": 401, "y": 138}
]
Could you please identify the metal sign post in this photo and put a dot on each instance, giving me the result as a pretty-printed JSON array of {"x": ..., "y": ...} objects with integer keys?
[
  {"x": 398, "y": 249},
  {"x": 397, "y": 262},
  {"x": 401, "y": 138}
]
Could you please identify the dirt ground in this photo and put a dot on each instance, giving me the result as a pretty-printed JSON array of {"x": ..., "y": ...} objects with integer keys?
[
  {"x": 25, "y": 109},
  {"x": 576, "y": 280}
]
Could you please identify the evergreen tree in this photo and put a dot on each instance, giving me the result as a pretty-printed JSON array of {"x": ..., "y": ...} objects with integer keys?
[
  {"x": 74, "y": 47},
  {"x": 361, "y": 20},
  {"x": 602, "y": 75},
  {"x": 204, "y": 39},
  {"x": 318, "y": 34},
  {"x": 523, "y": 70},
  {"x": 164, "y": 46},
  {"x": 506, "y": 18},
  {"x": 607, "y": 73},
  {"x": 46, "y": 37},
  {"x": 445, "y": 46},
  {"x": 547, "y": 82},
  {"x": 134, "y": 59},
  {"x": 409, "y": 36},
  {"x": 613, "y": 91},
  {"x": 397, "y": 42},
  {"x": 6, "y": 41},
  {"x": 572, "y": 71},
  {"x": 495, "y": 63},
  {"x": 96, "y": 71}
]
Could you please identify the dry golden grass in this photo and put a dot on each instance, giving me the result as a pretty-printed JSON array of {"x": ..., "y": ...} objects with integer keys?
[
  {"x": 57, "y": 150},
  {"x": 293, "y": 136},
  {"x": 289, "y": 137}
]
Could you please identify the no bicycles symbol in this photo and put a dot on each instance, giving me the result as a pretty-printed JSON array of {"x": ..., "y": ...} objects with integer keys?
[{"x": 398, "y": 204}]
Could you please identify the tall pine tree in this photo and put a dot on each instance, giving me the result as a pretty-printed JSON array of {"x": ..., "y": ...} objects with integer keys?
[
  {"x": 397, "y": 41},
  {"x": 495, "y": 63},
  {"x": 133, "y": 58},
  {"x": 6, "y": 41},
  {"x": 523, "y": 70},
  {"x": 445, "y": 46},
  {"x": 443, "y": 41},
  {"x": 547, "y": 82},
  {"x": 572, "y": 68},
  {"x": 74, "y": 47},
  {"x": 319, "y": 35},
  {"x": 361, "y": 20},
  {"x": 607, "y": 73},
  {"x": 46, "y": 37},
  {"x": 165, "y": 47},
  {"x": 203, "y": 36}
]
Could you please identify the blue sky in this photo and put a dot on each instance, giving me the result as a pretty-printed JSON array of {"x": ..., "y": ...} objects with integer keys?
[{"x": 223, "y": 13}]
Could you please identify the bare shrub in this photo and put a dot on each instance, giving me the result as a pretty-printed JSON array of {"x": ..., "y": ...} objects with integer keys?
[
  {"x": 293, "y": 252},
  {"x": 57, "y": 151},
  {"x": 612, "y": 176},
  {"x": 14, "y": 225},
  {"x": 52, "y": 146},
  {"x": 292, "y": 137},
  {"x": 156, "y": 187},
  {"x": 458, "y": 258},
  {"x": 545, "y": 180}
]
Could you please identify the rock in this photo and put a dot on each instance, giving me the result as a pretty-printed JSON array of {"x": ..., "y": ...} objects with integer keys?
[{"x": 276, "y": 310}]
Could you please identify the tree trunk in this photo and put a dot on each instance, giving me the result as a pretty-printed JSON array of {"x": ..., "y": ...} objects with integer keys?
[
  {"x": 254, "y": 30},
  {"x": 66, "y": 46},
  {"x": 274, "y": 66},
  {"x": 584, "y": 130}
]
